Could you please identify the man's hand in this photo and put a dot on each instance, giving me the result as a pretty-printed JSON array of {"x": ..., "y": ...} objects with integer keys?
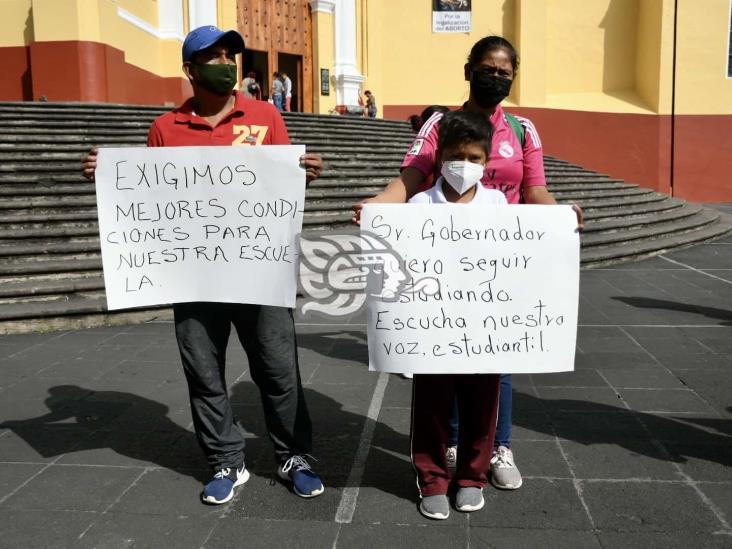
[
  {"x": 313, "y": 164},
  {"x": 89, "y": 164}
]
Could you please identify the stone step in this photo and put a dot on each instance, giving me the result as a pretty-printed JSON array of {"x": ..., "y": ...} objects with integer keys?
[
  {"x": 627, "y": 236},
  {"x": 609, "y": 255},
  {"x": 50, "y": 285},
  {"x": 627, "y": 222},
  {"x": 51, "y": 264}
]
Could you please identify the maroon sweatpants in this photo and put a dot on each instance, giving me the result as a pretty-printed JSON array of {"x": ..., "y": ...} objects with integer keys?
[{"x": 432, "y": 401}]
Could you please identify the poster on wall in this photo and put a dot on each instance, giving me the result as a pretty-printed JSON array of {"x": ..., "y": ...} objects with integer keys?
[{"x": 451, "y": 16}]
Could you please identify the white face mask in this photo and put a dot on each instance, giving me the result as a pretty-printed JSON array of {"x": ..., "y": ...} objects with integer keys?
[{"x": 461, "y": 175}]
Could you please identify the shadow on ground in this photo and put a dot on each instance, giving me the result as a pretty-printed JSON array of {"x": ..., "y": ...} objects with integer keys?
[
  {"x": 649, "y": 303},
  {"x": 587, "y": 423}
]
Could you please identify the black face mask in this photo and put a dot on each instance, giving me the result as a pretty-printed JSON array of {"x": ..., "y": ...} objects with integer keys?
[{"x": 488, "y": 90}]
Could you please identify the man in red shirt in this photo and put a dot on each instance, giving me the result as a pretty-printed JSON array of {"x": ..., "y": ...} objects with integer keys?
[{"x": 218, "y": 116}]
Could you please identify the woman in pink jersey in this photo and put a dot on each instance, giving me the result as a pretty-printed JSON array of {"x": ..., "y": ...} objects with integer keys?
[{"x": 515, "y": 167}]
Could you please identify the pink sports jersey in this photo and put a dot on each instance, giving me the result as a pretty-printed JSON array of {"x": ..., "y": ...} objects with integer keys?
[{"x": 509, "y": 168}]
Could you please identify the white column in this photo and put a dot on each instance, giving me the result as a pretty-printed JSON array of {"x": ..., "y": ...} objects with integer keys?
[
  {"x": 201, "y": 12},
  {"x": 324, "y": 6},
  {"x": 348, "y": 79},
  {"x": 170, "y": 19}
]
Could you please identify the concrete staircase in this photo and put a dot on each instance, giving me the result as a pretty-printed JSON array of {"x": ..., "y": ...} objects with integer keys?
[{"x": 50, "y": 264}]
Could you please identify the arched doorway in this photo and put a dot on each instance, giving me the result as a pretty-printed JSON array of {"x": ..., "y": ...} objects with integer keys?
[{"x": 278, "y": 37}]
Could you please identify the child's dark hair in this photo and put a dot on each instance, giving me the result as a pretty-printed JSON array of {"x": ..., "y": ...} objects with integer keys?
[
  {"x": 488, "y": 43},
  {"x": 418, "y": 120},
  {"x": 462, "y": 127}
]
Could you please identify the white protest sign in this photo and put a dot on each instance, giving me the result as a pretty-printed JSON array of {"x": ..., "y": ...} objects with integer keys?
[
  {"x": 182, "y": 224},
  {"x": 482, "y": 289}
]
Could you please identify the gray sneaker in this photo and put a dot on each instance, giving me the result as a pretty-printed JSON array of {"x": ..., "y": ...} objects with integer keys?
[
  {"x": 469, "y": 499},
  {"x": 435, "y": 507},
  {"x": 504, "y": 473},
  {"x": 451, "y": 457}
]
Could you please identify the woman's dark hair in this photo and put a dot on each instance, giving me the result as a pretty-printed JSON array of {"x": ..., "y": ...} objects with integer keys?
[
  {"x": 418, "y": 120},
  {"x": 462, "y": 127},
  {"x": 481, "y": 48}
]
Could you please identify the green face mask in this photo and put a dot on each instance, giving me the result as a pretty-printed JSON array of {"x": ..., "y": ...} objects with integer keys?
[{"x": 218, "y": 79}]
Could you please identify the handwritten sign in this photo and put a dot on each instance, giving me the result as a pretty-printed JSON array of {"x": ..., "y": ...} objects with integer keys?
[
  {"x": 182, "y": 224},
  {"x": 481, "y": 289}
]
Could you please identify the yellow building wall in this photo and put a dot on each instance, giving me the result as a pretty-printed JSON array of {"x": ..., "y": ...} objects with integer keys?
[
  {"x": 323, "y": 57},
  {"x": 25, "y": 21},
  {"x": 408, "y": 65},
  {"x": 702, "y": 85},
  {"x": 16, "y": 23},
  {"x": 601, "y": 55}
]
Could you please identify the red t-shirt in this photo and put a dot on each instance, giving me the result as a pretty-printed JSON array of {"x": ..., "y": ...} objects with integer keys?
[{"x": 250, "y": 122}]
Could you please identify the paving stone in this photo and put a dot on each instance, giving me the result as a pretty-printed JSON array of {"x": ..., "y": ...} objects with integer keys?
[
  {"x": 610, "y": 426},
  {"x": 42, "y": 529},
  {"x": 578, "y": 378},
  {"x": 13, "y": 475},
  {"x": 436, "y": 534},
  {"x": 721, "y": 498},
  {"x": 629, "y": 459},
  {"x": 539, "y": 459},
  {"x": 703, "y": 462},
  {"x": 693, "y": 430},
  {"x": 665, "y": 401},
  {"x": 531, "y": 425},
  {"x": 676, "y": 540},
  {"x": 538, "y": 503},
  {"x": 122, "y": 448},
  {"x": 647, "y": 507},
  {"x": 262, "y": 533},
  {"x": 74, "y": 488},
  {"x": 134, "y": 530},
  {"x": 165, "y": 492},
  {"x": 710, "y": 383},
  {"x": 510, "y": 538},
  {"x": 579, "y": 399},
  {"x": 619, "y": 359},
  {"x": 40, "y": 444},
  {"x": 266, "y": 497},
  {"x": 642, "y": 378}
]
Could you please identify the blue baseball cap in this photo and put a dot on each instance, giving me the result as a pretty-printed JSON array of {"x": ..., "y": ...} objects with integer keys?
[{"x": 205, "y": 37}]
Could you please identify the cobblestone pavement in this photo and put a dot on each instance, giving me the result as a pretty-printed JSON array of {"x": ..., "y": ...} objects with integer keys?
[{"x": 633, "y": 449}]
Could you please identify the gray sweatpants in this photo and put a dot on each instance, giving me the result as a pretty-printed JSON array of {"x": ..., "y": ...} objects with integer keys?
[{"x": 268, "y": 337}]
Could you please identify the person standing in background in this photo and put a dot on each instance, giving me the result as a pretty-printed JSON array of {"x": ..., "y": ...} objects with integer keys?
[
  {"x": 250, "y": 87},
  {"x": 370, "y": 104},
  {"x": 288, "y": 91},
  {"x": 278, "y": 91}
]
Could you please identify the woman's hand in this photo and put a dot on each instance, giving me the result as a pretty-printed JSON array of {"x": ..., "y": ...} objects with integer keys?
[
  {"x": 580, "y": 217},
  {"x": 313, "y": 164},
  {"x": 89, "y": 164}
]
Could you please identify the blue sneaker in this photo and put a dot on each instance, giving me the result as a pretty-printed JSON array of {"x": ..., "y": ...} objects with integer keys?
[
  {"x": 305, "y": 482},
  {"x": 221, "y": 488}
]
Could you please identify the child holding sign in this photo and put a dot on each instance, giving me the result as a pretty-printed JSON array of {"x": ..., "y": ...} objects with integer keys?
[{"x": 464, "y": 142}]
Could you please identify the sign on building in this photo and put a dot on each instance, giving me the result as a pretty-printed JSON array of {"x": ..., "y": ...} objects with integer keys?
[{"x": 451, "y": 16}]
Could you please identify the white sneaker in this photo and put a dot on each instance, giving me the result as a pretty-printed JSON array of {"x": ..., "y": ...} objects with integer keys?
[
  {"x": 407, "y": 376},
  {"x": 451, "y": 456},
  {"x": 504, "y": 473}
]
